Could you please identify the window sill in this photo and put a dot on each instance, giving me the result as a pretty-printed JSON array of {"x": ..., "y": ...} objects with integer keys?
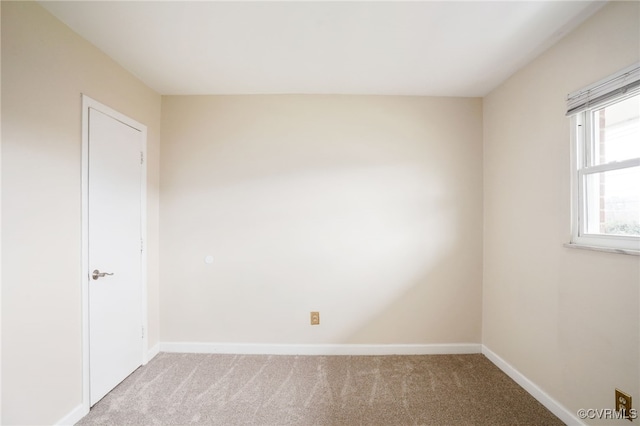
[{"x": 604, "y": 249}]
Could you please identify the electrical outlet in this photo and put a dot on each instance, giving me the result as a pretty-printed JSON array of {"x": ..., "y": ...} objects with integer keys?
[
  {"x": 315, "y": 318},
  {"x": 623, "y": 404}
]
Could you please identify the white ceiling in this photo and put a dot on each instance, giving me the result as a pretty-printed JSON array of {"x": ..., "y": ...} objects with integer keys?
[{"x": 403, "y": 48}]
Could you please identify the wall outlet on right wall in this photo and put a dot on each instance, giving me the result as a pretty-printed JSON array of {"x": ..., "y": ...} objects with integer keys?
[{"x": 623, "y": 405}]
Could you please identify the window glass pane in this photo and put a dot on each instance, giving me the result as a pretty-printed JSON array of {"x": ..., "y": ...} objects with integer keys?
[
  {"x": 613, "y": 202},
  {"x": 616, "y": 134}
]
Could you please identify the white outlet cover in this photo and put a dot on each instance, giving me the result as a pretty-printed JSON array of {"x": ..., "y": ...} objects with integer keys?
[{"x": 208, "y": 260}]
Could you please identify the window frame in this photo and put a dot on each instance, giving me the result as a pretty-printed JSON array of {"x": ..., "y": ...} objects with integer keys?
[{"x": 582, "y": 137}]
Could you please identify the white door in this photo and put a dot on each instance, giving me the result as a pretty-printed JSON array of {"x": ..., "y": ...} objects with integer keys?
[{"x": 115, "y": 263}]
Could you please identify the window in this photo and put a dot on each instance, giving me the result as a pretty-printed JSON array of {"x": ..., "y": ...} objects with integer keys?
[{"x": 605, "y": 119}]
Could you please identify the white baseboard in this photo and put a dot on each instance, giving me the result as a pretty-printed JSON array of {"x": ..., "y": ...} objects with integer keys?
[
  {"x": 74, "y": 416},
  {"x": 551, "y": 404},
  {"x": 155, "y": 350},
  {"x": 312, "y": 349}
]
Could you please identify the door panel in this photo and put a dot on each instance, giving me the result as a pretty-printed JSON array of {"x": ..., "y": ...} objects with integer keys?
[{"x": 115, "y": 317}]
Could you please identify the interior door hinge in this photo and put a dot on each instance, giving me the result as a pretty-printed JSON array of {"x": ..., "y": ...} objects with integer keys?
[
  {"x": 141, "y": 157},
  {"x": 141, "y": 245},
  {"x": 143, "y": 332}
]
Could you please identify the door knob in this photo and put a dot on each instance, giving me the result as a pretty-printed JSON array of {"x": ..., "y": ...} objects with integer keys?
[{"x": 97, "y": 274}]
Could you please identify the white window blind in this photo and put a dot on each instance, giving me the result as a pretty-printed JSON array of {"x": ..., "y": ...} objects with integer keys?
[
  {"x": 605, "y": 134},
  {"x": 625, "y": 81}
]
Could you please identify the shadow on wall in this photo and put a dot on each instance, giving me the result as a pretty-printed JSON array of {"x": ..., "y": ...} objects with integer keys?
[
  {"x": 363, "y": 212},
  {"x": 347, "y": 243},
  {"x": 442, "y": 306}
]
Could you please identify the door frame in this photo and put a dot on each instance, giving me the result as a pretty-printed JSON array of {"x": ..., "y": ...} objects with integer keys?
[{"x": 87, "y": 103}]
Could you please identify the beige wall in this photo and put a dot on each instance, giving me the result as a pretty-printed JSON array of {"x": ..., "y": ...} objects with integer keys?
[
  {"x": 567, "y": 319},
  {"x": 367, "y": 209},
  {"x": 45, "y": 68}
]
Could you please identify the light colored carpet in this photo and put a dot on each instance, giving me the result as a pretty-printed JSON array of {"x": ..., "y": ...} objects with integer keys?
[{"x": 181, "y": 389}]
